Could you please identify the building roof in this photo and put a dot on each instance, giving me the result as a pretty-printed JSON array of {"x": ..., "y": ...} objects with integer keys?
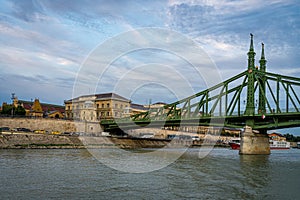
[
  {"x": 102, "y": 96},
  {"x": 111, "y": 96},
  {"x": 138, "y": 106},
  {"x": 278, "y": 134},
  {"x": 45, "y": 107},
  {"x": 159, "y": 103}
]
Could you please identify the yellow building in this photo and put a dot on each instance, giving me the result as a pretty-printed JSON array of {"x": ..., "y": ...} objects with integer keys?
[
  {"x": 55, "y": 114},
  {"x": 95, "y": 107},
  {"x": 37, "y": 109},
  {"x": 276, "y": 137},
  {"x": 136, "y": 109}
]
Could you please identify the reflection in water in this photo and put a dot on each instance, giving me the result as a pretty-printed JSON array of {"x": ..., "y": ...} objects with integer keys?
[{"x": 255, "y": 172}]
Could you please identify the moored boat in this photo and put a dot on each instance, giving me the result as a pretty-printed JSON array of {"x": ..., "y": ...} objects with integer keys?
[
  {"x": 279, "y": 145},
  {"x": 278, "y": 141},
  {"x": 235, "y": 143},
  {"x": 274, "y": 145}
]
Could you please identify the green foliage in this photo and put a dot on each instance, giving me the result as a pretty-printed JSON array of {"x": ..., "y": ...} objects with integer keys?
[
  {"x": 292, "y": 138},
  {"x": 19, "y": 110},
  {"x": 6, "y": 109}
]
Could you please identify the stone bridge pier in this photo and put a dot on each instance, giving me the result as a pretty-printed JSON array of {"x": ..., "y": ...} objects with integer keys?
[{"x": 254, "y": 143}]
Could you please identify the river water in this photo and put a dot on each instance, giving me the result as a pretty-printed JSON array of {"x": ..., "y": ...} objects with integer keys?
[{"x": 76, "y": 174}]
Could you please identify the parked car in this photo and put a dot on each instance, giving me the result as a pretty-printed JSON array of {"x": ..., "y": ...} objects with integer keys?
[
  {"x": 23, "y": 130},
  {"x": 55, "y": 132},
  {"x": 195, "y": 138},
  {"x": 40, "y": 131},
  {"x": 5, "y": 128}
]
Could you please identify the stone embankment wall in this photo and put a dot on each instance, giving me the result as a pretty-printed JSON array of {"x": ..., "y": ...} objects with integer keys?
[
  {"x": 8, "y": 141},
  {"x": 50, "y": 124},
  {"x": 123, "y": 142},
  {"x": 30, "y": 140},
  {"x": 39, "y": 124},
  {"x": 15, "y": 141}
]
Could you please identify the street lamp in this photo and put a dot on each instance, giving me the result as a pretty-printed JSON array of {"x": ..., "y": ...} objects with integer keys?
[{"x": 12, "y": 109}]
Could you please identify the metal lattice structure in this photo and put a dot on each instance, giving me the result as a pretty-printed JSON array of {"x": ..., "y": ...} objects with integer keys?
[{"x": 256, "y": 98}]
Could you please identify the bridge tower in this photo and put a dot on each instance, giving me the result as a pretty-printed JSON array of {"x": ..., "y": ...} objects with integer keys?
[
  {"x": 254, "y": 143},
  {"x": 262, "y": 90},
  {"x": 250, "y": 106}
]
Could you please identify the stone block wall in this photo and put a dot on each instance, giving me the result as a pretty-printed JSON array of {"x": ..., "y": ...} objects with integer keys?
[{"x": 50, "y": 125}]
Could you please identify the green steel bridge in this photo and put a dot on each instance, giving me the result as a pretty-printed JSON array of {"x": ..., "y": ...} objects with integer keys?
[{"x": 255, "y": 97}]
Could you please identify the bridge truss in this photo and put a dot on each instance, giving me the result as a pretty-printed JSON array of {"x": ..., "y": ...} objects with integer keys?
[{"x": 257, "y": 98}]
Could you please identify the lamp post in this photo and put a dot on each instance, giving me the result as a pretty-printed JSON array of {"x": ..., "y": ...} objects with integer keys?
[{"x": 12, "y": 108}]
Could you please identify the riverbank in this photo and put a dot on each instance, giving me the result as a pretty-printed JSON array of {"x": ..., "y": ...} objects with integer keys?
[
  {"x": 48, "y": 141},
  {"x": 38, "y": 141}
]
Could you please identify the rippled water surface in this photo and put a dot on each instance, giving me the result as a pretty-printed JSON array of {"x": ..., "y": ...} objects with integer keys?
[{"x": 75, "y": 174}]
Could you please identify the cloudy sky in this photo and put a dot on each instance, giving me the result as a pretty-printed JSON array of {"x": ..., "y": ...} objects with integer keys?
[{"x": 48, "y": 47}]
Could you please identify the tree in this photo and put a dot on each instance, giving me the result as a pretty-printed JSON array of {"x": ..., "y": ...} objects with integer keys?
[
  {"x": 291, "y": 138},
  {"x": 6, "y": 109},
  {"x": 20, "y": 111}
]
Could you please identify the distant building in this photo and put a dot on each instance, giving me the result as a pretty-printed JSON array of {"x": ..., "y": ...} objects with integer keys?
[
  {"x": 55, "y": 114},
  {"x": 37, "y": 109},
  {"x": 156, "y": 105},
  {"x": 277, "y": 137},
  {"x": 95, "y": 107},
  {"x": 136, "y": 109}
]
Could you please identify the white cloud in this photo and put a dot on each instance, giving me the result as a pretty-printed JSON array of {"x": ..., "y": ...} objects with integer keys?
[
  {"x": 230, "y": 7},
  {"x": 52, "y": 38}
]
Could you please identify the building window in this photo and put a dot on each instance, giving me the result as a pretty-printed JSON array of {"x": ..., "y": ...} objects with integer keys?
[
  {"x": 107, "y": 114},
  {"x": 116, "y": 114},
  {"x": 102, "y": 105},
  {"x": 116, "y": 105},
  {"x": 121, "y": 106},
  {"x": 108, "y": 105},
  {"x": 97, "y": 105},
  {"x": 69, "y": 108}
]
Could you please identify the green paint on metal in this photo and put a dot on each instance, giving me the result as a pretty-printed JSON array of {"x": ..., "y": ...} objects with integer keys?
[
  {"x": 199, "y": 109},
  {"x": 250, "y": 106},
  {"x": 262, "y": 81}
]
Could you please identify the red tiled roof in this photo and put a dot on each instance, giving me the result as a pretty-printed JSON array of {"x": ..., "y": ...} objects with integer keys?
[
  {"x": 45, "y": 107},
  {"x": 276, "y": 134}
]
